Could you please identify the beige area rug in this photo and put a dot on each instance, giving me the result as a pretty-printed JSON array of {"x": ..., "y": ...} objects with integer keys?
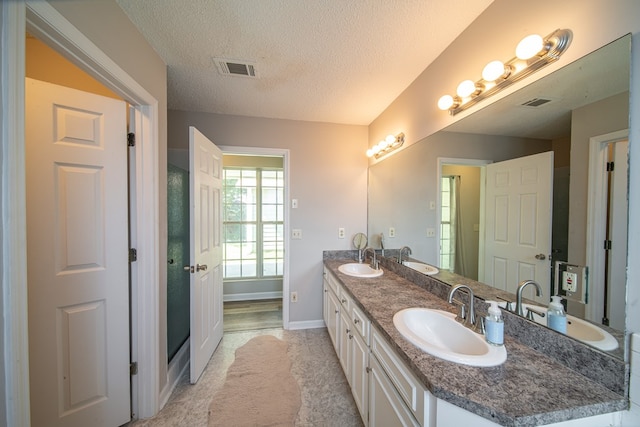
[{"x": 259, "y": 389}]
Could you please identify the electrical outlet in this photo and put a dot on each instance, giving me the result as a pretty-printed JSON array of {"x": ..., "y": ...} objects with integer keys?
[
  {"x": 392, "y": 232},
  {"x": 296, "y": 233},
  {"x": 294, "y": 297},
  {"x": 341, "y": 233}
]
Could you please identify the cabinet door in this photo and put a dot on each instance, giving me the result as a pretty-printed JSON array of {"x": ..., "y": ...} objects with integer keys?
[
  {"x": 344, "y": 353},
  {"x": 386, "y": 407},
  {"x": 333, "y": 318},
  {"x": 359, "y": 374}
]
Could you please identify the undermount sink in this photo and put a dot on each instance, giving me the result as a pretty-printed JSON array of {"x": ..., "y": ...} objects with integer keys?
[
  {"x": 360, "y": 270},
  {"x": 579, "y": 329},
  {"x": 420, "y": 267},
  {"x": 439, "y": 334}
]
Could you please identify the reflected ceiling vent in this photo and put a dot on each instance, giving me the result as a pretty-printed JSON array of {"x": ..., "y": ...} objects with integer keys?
[
  {"x": 234, "y": 67},
  {"x": 536, "y": 102}
]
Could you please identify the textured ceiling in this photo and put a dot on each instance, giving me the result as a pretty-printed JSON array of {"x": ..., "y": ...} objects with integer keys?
[{"x": 339, "y": 61}]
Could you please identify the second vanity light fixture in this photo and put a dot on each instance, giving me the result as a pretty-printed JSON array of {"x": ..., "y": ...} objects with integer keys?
[
  {"x": 532, "y": 53},
  {"x": 390, "y": 143}
]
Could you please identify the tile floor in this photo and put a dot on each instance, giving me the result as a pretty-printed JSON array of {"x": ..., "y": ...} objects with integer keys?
[{"x": 326, "y": 397}]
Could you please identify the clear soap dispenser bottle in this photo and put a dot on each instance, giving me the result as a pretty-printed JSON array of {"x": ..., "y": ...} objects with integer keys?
[
  {"x": 556, "y": 318},
  {"x": 494, "y": 325}
]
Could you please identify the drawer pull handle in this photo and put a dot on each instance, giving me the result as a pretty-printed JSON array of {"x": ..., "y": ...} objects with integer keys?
[{"x": 355, "y": 321}]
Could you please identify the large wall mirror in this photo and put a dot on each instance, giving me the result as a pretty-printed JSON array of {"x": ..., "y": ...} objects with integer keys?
[{"x": 439, "y": 195}]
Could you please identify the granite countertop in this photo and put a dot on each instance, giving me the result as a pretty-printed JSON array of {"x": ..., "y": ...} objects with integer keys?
[{"x": 529, "y": 389}]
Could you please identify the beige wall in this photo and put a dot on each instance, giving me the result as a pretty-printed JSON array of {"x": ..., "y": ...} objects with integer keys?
[
  {"x": 45, "y": 64},
  {"x": 328, "y": 176}
]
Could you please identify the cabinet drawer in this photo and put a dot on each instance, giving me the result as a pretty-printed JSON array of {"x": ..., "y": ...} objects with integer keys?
[
  {"x": 413, "y": 393},
  {"x": 361, "y": 323}
]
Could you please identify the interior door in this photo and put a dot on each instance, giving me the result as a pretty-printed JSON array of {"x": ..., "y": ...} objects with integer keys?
[
  {"x": 518, "y": 223},
  {"x": 205, "y": 188},
  {"x": 77, "y": 257}
]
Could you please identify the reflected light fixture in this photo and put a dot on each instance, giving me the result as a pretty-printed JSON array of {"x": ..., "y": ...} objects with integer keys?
[
  {"x": 387, "y": 145},
  {"x": 532, "y": 53}
]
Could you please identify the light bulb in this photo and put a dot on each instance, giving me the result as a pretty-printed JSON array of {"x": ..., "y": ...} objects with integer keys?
[
  {"x": 390, "y": 139},
  {"x": 370, "y": 152},
  {"x": 445, "y": 102},
  {"x": 529, "y": 47},
  {"x": 493, "y": 71},
  {"x": 466, "y": 88}
]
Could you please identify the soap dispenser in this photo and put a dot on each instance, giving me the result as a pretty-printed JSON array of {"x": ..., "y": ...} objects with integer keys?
[
  {"x": 494, "y": 325},
  {"x": 556, "y": 318}
]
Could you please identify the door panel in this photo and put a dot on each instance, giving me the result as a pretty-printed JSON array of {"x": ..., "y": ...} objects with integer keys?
[
  {"x": 518, "y": 198},
  {"x": 77, "y": 257},
  {"x": 205, "y": 188}
]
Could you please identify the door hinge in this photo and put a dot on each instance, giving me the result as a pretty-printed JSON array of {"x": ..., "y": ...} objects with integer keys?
[
  {"x": 607, "y": 245},
  {"x": 131, "y": 139},
  {"x": 133, "y": 255},
  {"x": 133, "y": 368},
  {"x": 610, "y": 166}
]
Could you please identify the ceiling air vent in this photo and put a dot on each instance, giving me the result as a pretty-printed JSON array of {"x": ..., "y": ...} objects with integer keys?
[
  {"x": 233, "y": 67},
  {"x": 535, "y": 102}
]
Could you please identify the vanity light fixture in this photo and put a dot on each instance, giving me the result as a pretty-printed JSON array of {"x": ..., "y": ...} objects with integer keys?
[
  {"x": 532, "y": 53},
  {"x": 387, "y": 145}
]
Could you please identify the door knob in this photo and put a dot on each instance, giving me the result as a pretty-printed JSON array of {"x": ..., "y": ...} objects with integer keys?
[
  {"x": 202, "y": 267},
  {"x": 541, "y": 256}
]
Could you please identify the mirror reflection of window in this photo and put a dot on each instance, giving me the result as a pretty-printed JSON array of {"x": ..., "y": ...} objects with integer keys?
[{"x": 447, "y": 224}]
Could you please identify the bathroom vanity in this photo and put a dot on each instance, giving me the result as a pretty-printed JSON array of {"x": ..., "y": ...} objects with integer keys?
[{"x": 395, "y": 383}]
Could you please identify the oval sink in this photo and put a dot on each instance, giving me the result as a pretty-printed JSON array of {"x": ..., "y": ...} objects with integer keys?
[
  {"x": 420, "y": 267},
  {"x": 437, "y": 333},
  {"x": 359, "y": 270},
  {"x": 579, "y": 329}
]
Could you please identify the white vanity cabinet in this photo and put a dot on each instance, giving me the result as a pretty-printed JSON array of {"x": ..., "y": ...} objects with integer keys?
[
  {"x": 349, "y": 331},
  {"x": 331, "y": 309},
  {"x": 413, "y": 395}
]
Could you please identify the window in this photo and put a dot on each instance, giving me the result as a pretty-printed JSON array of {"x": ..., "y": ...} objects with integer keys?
[
  {"x": 447, "y": 226},
  {"x": 253, "y": 223}
]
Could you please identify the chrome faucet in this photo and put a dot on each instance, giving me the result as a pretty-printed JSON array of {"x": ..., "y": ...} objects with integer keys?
[
  {"x": 403, "y": 249},
  {"x": 521, "y": 286},
  {"x": 374, "y": 260},
  {"x": 467, "y": 317}
]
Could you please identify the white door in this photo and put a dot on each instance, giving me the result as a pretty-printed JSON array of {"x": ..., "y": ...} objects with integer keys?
[
  {"x": 205, "y": 192},
  {"x": 518, "y": 223},
  {"x": 77, "y": 257}
]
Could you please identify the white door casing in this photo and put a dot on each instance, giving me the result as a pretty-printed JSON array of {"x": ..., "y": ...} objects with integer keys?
[
  {"x": 205, "y": 188},
  {"x": 596, "y": 231},
  {"x": 77, "y": 257},
  {"x": 518, "y": 206}
]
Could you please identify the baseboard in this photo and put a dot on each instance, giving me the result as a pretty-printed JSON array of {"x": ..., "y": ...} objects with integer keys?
[
  {"x": 306, "y": 324},
  {"x": 177, "y": 367},
  {"x": 252, "y": 296}
]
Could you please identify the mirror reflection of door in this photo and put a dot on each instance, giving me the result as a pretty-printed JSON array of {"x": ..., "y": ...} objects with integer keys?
[{"x": 607, "y": 217}]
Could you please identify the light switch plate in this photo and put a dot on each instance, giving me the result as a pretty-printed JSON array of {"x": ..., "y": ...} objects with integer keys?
[{"x": 296, "y": 233}]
